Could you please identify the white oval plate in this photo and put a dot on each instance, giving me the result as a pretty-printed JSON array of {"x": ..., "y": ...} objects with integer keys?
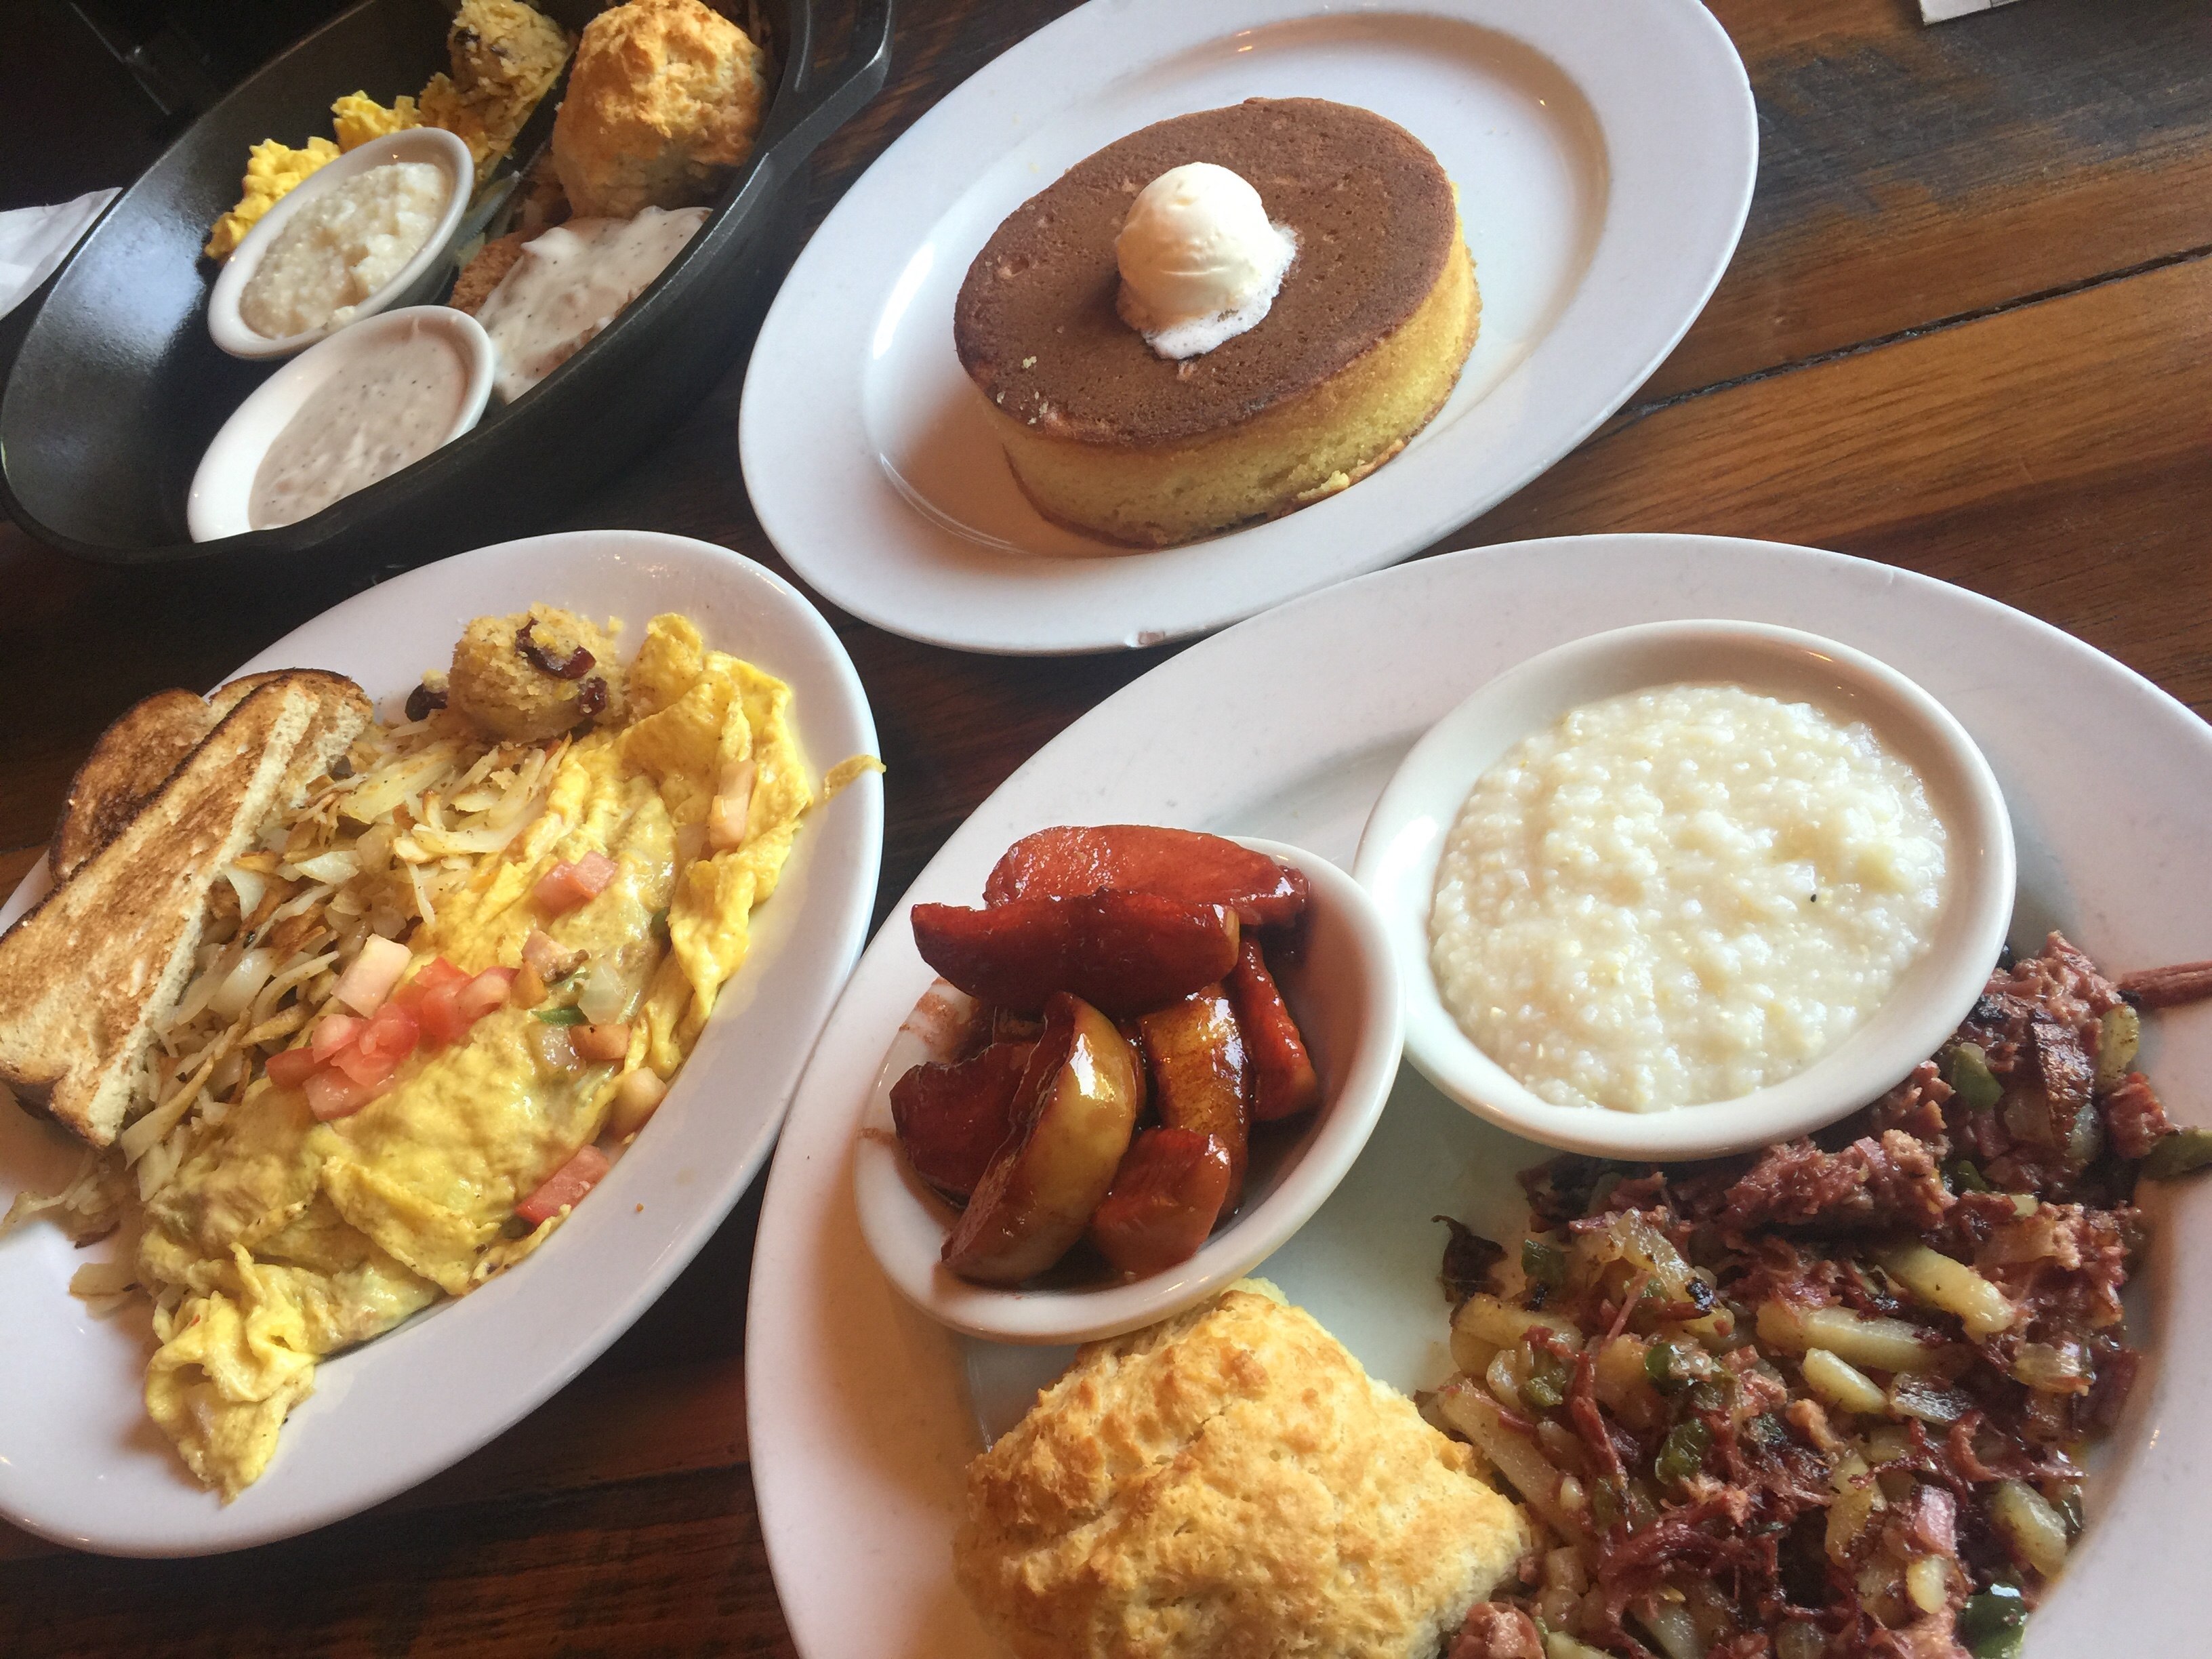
[
  {"x": 863, "y": 1412},
  {"x": 1604, "y": 156},
  {"x": 79, "y": 1462}
]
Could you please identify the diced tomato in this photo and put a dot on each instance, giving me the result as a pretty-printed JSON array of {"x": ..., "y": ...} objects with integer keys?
[
  {"x": 486, "y": 991},
  {"x": 335, "y": 1032},
  {"x": 394, "y": 1033},
  {"x": 364, "y": 1066},
  {"x": 566, "y": 885},
  {"x": 440, "y": 1013},
  {"x": 288, "y": 1068},
  {"x": 600, "y": 1042},
  {"x": 565, "y": 1186},
  {"x": 428, "y": 978},
  {"x": 332, "y": 1094}
]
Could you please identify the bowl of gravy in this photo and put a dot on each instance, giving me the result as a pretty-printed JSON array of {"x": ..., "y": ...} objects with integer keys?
[{"x": 361, "y": 406}]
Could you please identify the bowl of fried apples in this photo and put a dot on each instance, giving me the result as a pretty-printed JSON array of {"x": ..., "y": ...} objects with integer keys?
[{"x": 1148, "y": 1058}]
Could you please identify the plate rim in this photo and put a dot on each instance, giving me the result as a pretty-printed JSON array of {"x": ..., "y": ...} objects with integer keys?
[
  {"x": 849, "y": 906},
  {"x": 791, "y": 337},
  {"x": 802, "y": 1230}
]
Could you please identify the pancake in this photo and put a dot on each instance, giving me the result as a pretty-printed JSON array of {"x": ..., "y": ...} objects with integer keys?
[{"x": 1362, "y": 345}]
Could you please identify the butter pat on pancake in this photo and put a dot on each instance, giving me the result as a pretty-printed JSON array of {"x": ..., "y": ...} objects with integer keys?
[{"x": 1229, "y": 1484}]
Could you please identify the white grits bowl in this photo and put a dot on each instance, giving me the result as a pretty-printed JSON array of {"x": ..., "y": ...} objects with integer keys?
[
  {"x": 410, "y": 284},
  {"x": 1408, "y": 835}
]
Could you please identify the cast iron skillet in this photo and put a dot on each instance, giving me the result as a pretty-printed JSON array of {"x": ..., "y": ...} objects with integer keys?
[{"x": 117, "y": 390}]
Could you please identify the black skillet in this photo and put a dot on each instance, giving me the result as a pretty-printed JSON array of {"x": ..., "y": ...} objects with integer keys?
[{"x": 116, "y": 390}]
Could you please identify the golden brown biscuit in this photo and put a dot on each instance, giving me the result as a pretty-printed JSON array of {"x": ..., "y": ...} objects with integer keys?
[
  {"x": 662, "y": 106},
  {"x": 1229, "y": 1483}
]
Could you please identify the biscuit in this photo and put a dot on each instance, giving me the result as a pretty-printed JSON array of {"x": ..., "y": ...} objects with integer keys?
[
  {"x": 1229, "y": 1483},
  {"x": 662, "y": 106}
]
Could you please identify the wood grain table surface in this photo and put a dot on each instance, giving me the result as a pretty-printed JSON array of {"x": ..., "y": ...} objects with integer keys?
[{"x": 1968, "y": 332}]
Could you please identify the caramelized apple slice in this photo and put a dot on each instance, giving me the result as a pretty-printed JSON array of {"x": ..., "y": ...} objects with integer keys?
[
  {"x": 1166, "y": 1196},
  {"x": 1183, "y": 864},
  {"x": 1121, "y": 953},
  {"x": 952, "y": 1119},
  {"x": 1077, "y": 1106},
  {"x": 1284, "y": 1081},
  {"x": 1199, "y": 1080}
]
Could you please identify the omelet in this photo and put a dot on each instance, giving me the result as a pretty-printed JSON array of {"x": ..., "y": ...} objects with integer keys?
[{"x": 282, "y": 1239}]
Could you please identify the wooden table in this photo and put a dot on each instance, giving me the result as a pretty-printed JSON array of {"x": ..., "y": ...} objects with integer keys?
[{"x": 1968, "y": 332}]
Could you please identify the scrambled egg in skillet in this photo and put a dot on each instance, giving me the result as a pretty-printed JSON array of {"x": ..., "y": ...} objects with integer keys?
[{"x": 282, "y": 1239}]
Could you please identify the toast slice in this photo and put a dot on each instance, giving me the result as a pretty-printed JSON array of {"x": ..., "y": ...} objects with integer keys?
[
  {"x": 151, "y": 738},
  {"x": 89, "y": 973},
  {"x": 126, "y": 766}
]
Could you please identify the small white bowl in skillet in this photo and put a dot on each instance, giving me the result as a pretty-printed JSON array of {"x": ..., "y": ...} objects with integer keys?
[
  {"x": 411, "y": 283},
  {"x": 1344, "y": 993},
  {"x": 220, "y": 502},
  {"x": 1403, "y": 845}
]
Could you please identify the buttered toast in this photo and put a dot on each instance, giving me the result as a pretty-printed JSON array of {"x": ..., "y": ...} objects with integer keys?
[{"x": 89, "y": 973}]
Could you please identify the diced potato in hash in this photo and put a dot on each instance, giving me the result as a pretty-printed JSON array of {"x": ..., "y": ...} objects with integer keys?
[
  {"x": 1842, "y": 1384},
  {"x": 1484, "y": 1324},
  {"x": 1953, "y": 1286},
  {"x": 1476, "y": 1415},
  {"x": 2034, "y": 1529},
  {"x": 1881, "y": 1345}
]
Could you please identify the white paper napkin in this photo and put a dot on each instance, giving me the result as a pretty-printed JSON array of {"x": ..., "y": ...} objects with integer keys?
[
  {"x": 35, "y": 240},
  {"x": 1942, "y": 11}
]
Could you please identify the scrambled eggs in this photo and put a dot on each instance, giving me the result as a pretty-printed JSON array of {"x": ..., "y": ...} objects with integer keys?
[
  {"x": 282, "y": 1239},
  {"x": 271, "y": 170}
]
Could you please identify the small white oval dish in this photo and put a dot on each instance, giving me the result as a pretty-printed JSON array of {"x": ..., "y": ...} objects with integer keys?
[
  {"x": 411, "y": 283},
  {"x": 1405, "y": 838},
  {"x": 1346, "y": 994},
  {"x": 220, "y": 501}
]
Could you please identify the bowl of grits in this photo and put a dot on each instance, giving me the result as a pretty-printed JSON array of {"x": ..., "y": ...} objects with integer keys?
[
  {"x": 1684, "y": 889},
  {"x": 358, "y": 235}
]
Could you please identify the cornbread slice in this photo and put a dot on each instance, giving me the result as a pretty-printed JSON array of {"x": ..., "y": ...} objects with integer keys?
[{"x": 1229, "y": 1484}]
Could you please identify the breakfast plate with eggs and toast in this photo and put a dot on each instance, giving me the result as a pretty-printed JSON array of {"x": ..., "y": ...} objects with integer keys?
[
  {"x": 1836, "y": 1331},
  {"x": 389, "y": 1027},
  {"x": 1172, "y": 313}
]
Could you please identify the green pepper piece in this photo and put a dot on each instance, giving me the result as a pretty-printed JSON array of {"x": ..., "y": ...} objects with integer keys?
[
  {"x": 563, "y": 1016},
  {"x": 1545, "y": 1386},
  {"x": 1967, "y": 1178},
  {"x": 1604, "y": 1502},
  {"x": 1662, "y": 1366},
  {"x": 1969, "y": 1075},
  {"x": 658, "y": 922},
  {"x": 1991, "y": 1625},
  {"x": 1544, "y": 1264},
  {"x": 1682, "y": 1454},
  {"x": 2183, "y": 1150}
]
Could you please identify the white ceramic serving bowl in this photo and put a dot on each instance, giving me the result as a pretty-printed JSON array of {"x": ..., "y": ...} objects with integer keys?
[
  {"x": 411, "y": 283},
  {"x": 1405, "y": 837},
  {"x": 1346, "y": 994},
  {"x": 221, "y": 501}
]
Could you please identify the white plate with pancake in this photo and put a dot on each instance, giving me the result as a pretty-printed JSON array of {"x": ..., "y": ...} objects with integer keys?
[
  {"x": 80, "y": 1464},
  {"x": 863, "y": 1413},
  {"x": 1604, "y": 156}
]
